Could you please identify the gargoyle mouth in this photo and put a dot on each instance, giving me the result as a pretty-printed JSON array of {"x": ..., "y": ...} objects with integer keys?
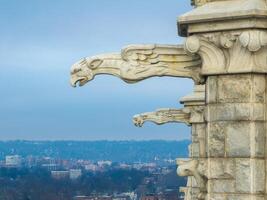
[
  {"x": 78, "y": 80},
  {"x": 138, "y": 122}
]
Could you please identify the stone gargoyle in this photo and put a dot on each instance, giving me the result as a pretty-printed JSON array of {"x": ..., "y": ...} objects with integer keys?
[
  {"x": 197, "y": 169},
  {"x": 163, "y": 116},
  {"x": 138, "y": 62}
]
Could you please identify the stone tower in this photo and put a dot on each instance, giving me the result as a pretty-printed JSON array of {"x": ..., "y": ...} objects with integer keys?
[{"x": 225, "y": 54}]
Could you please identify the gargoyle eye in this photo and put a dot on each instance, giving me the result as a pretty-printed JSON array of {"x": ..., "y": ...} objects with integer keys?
[
  {"x": 77, "y": 70},
  {"x": 95, "y": 63}
]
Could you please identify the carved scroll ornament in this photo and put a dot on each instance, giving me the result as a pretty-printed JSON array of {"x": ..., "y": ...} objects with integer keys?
[
  {"x": 163, "y": 116},
  {"x": 138, "y": 62},
  {"x": 230, "y": 52}
]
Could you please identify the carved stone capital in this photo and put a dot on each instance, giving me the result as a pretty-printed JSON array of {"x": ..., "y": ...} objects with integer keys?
[
  {"x": 163, "y": 116},
  {"x": 230, "y": 52},
  {"x": 138, "y": 62},
  {"x": 213, "y": 59},
  {"x": 253, "y": 40}
]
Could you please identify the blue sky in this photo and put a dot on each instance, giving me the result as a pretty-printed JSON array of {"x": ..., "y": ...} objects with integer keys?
[{"x": 41, "y": 39}]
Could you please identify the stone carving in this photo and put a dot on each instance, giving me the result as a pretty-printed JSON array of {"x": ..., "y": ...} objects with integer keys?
[
  {"x": 202, "y": 2},
  {"x": 138, "y": 62},
  {"x": 232, "y": 52},
  {"x": 196, "y": 168},
  {"x": 253, "y": 40},
  {"x": 163, "y": 116},
  {"x": 212, "y": 56},
  {"x": 199, "y": 2}
]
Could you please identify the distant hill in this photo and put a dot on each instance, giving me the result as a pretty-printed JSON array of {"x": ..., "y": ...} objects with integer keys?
[{"x": 117, "y": 151}]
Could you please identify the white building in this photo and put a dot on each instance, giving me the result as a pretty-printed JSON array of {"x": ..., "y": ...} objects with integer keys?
[
  {"x": 13, "y": 161},
  {"x": 60, "y": 174},
  {"x": 75, "y": 174}
]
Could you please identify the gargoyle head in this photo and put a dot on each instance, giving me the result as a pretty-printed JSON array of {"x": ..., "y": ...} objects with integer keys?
[
  {"x": 138, "y": 120},
  {"x": 83, "y": 71},
  {"x": 186, "y": 167}
]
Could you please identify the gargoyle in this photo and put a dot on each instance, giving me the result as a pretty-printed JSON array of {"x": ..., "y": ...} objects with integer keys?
[
  {"x": 163, "y": 116},
  {"x": 138, "y": 62},
  {"x": 197, "y": 169}
]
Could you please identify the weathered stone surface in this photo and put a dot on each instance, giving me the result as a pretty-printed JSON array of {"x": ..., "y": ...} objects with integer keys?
[
  {"x": 221, "y": 186},
  {"x": 234, "y": 89},
  {"x": 258, "y": 139},
  {"x": 250, "y": 176},
  {"x": 236, "y": 112},
  {"x": 245, "y": 197},
  {"x": 221, "y": 168},
  {"x": 259, "y": 89},
  {"x": 216, "y": 139},
  {"x": 243, "y": 175},
  {"x": 238, "y": 139},
  {"x": 211, "y": 93},
  {"x": 195, "y": 150},
  {"x": 258, "y": 176}
]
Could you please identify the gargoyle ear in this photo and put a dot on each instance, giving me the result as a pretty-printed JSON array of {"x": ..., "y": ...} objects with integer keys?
[
  {"x": 180, "y": 162},
  {"x": 95, "y": 63}
]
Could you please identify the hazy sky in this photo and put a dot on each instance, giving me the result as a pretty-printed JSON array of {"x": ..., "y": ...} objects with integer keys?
[{"x": 41, "y": 39}]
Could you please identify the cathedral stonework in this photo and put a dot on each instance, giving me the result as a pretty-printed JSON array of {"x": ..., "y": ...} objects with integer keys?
[{"x": 225, "y": 55}]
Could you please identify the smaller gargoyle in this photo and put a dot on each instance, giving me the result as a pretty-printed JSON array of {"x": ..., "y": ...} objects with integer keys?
[
  {"x": 163, "y": 116},
  {"x": 197, "y": 169}
]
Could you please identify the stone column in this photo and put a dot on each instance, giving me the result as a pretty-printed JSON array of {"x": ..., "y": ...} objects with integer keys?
[
  {"x": 231, "y": 39},
  {"x": 192, "y": 114},
  {"x": 195, "y": 102},
  {"x": 236, "y": 136}
]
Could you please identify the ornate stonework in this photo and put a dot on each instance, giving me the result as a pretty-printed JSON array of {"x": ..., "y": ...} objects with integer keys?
[
  {"x": 197, "y": 169},
  {"x": 225, "y": 54},
  {"x": 230, "y": 52},
  {"x": 163, "y": 116},
  {"x": 138, "y": 62}
]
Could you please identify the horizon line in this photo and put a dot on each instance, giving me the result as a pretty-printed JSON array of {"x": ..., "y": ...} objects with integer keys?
[{"x": 107, "y": 140}]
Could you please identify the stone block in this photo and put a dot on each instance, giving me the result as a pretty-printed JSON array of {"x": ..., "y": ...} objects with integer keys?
[
  {"x": 211, "y": 90},
  {"x": 195, "y": 150},
  {"x": 221, "y": 186},
  {"x": 221, "y": 168},
  {"x": 258, "y": 130},
  {"x": 244, "y": 197},
  {"x": 236, "y": 112},
  {"x": 234, "y": 88},
  {"x": 258, "y": 176},
  {"x": 216, "y": 197},
  {"x": 259, "y": 89},
  {"x": 250, "y": 176},
  {"x": 216, "y": 139},
  {"x": 243, "y": 176},
  {"x": 238, "y": 139}
]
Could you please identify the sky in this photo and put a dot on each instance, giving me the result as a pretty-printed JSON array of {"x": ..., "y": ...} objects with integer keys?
[{"x": 41, "y": 39}]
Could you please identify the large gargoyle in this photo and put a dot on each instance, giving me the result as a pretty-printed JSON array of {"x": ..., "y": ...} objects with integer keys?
[
  {"x": 163, "y": 116},
  {"x": 138, "y": 62},
  {"x": 196, "y": 168}
]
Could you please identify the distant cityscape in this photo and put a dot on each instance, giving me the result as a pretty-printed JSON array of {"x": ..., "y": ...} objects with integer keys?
[{"x": 87, "y": 179}]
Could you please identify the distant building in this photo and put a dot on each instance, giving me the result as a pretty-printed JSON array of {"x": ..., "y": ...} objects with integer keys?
[
  {"x": 104, "y": 163},
  {"x": 13, "y": 161},
  {"x": 75, "y": 174},
  {"x": 150, "y": 197},
  {"x": 93, "y": 198},
  {"x": 91, "y": 167},
  {"x": 172, "y": 194},
  {"x": 51, "y": 167},
  {"x": 60, "y": 174}
]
